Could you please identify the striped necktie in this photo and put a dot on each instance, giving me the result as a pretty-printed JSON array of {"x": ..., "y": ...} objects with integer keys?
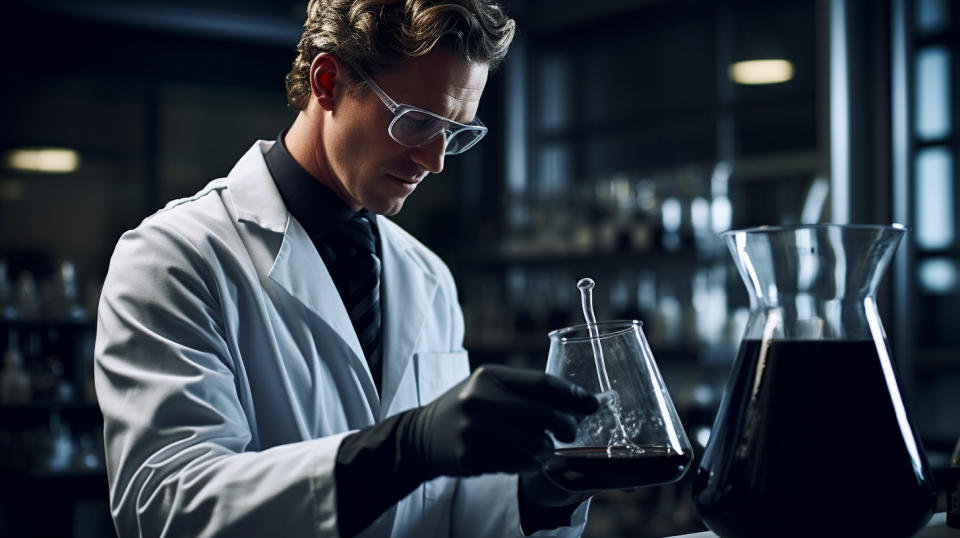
[{"x": 352, "y": 257}]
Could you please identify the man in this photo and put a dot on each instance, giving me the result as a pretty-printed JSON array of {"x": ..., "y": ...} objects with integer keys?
[{"x": 273, "y": 357}]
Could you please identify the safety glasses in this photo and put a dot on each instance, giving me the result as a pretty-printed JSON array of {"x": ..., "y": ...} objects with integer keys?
[{"x": 413, "y": 126}]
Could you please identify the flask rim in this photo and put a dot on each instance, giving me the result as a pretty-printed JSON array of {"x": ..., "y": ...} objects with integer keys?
[
  {"x": 896, "y": 226},
  {"x": 620, "y": 326}
]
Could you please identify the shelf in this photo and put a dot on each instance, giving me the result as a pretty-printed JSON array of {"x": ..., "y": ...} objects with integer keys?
[
  {"x": 87, "y": 322},
  {"x": 45, "y": 406},
  {"x": 650, "y": 259},
  {"x": 58, "y": 489},
  {"x": 18, "y": 416},
  {"x": 764, "y": 167},
  {"x": 72, "y": 473}
]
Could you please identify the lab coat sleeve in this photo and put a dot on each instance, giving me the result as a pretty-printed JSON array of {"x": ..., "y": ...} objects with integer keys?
[
  {"x": 176, "y": 437},
  {"x": 486, "y": 506}
]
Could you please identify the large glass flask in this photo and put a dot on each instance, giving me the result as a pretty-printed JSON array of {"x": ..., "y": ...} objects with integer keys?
[
  {"x": 636, "y": 438},
  {"x": 812, "y": 437}
]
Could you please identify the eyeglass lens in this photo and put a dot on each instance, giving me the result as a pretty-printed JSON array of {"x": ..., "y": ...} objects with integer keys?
[{"x": 414, "y": 128}]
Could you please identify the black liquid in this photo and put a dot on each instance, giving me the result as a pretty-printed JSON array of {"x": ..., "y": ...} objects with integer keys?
[
  {"x": 808, "y": 442},
  {"x": 592, "y": 468}
]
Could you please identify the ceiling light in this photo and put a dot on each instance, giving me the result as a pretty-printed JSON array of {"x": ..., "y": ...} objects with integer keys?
[
  {"x": 48, "y": 160},
  {"x": 761, "y": 71}
]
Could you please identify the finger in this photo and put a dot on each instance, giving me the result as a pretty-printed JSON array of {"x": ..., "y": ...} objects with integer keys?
[
  {"x": 563, "y": 426},
  {"x": 551, "y": 390},
  {"x": 534, "y": 454},
  {"x": 522, "y": 413},
  {"x": 513, "y": 458},
  {"x": 545, "y": 451},
  {"x": 526, "y": 442}
]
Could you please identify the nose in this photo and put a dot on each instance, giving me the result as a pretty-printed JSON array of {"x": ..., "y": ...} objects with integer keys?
[{"x": 430, "y": 155}]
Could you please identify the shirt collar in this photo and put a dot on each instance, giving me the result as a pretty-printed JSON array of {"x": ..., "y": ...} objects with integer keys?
[{"x": 314, "y": 205}]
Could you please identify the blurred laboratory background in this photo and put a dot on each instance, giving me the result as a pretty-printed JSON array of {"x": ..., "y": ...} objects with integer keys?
[{"x": 624, "y": 136}]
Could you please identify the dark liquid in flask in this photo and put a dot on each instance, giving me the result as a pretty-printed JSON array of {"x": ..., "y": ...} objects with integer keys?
[
  {"x": 811, "y": 440},
  {"x": 592, "y": 468}
]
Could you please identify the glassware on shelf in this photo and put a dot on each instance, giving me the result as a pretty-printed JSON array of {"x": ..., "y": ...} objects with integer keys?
[
  {"x": 671, "y": 212},
  {"x": 67, "y": 302},
  {"x": 28, "y": 297},
  {"x": 812, "y": 437},
  {"x": 645, "y": 198},
  {"x": 953, "y": 489},
  {"x": 51, "y": 383},
  {"x": 667, "y": 318},
  {"x": 86, "y": 455},
  {"x": 62, "y": 448},
  {"x": 49, "y": 372},
  {"x": 14, "y": 378},
  {"x": 8, "y": 303},
  {"x": 703, "y": 237}
]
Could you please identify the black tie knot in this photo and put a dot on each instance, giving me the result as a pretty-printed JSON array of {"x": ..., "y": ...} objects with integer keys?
[{"x": 359, "y": 231}]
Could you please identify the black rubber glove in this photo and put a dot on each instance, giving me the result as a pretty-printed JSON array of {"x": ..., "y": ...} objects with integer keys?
[
  {"x": 545, "y": 505},
  {"x": 495, "y": 421}
]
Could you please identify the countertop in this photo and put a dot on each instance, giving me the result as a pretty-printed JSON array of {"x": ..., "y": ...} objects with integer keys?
[{"x": 936, "y": 528}]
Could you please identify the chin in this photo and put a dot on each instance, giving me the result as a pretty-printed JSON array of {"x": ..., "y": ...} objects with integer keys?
[{"x": 387, "y": 208}]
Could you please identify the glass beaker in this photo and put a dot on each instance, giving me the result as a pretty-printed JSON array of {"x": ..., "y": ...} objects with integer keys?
[
  {"x": 812, "y": 437},
  {"x": 638, "y": 405}
]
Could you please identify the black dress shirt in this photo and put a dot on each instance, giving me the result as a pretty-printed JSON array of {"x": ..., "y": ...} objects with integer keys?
[{"x": 314, "y": 206}]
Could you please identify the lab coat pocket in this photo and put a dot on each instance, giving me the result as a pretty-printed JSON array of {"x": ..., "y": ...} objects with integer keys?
[{"x": 438, "y": 372}]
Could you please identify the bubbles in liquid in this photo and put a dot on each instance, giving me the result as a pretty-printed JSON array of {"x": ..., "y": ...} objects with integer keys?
[{"x": 618, "y": 433}]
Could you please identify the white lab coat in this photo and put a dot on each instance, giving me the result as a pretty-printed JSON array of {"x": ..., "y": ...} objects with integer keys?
[{"x": 228, "y": 373}]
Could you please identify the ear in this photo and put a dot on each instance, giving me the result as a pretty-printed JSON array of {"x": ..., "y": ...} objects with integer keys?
[{"x": 325, "y": 74}]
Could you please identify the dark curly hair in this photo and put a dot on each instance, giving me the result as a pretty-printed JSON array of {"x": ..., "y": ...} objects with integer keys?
[{"x": 379, "y": 34}]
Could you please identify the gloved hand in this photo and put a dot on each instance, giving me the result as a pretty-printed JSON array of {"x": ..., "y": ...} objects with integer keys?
[
  {"x": 545, "y": 505},
  {"x": 537, "y": 489},
  {"x": 494, "y": 421}
]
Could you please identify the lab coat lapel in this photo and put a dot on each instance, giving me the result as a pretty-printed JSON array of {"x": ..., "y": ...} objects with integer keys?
[
  {"x": 408, "y": 288},
  {"x": 298, "y": 268}
]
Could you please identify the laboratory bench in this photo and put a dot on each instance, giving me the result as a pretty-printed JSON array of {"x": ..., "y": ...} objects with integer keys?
[{"x": 935, "y": 528}]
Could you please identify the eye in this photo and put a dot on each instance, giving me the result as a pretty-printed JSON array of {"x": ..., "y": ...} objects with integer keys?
[{"x": 420, "y": 121}]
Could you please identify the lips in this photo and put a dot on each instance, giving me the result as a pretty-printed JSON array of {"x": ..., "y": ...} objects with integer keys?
[
  {"x": 402, "y": 186},
  {"x": 407, "y": 180}
]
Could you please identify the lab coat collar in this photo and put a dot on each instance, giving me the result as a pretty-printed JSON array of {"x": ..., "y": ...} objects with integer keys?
[{"x": 255, "y": 200}]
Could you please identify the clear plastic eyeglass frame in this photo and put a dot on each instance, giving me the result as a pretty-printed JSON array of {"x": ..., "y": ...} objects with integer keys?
[{"x": 413, "y": 126}]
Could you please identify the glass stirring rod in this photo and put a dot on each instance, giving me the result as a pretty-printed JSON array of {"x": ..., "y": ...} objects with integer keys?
[
  {"x": 608, "y": 396},
  {"x": 585, "y": 285}
]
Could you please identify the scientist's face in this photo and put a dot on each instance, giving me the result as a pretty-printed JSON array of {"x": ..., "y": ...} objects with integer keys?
[{"x": 371, "y": 169}]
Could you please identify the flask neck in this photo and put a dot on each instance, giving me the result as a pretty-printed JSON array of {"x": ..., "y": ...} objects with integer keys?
[
  {"x": 801, "y": 316},
  {"x": 818, "y": 264}
]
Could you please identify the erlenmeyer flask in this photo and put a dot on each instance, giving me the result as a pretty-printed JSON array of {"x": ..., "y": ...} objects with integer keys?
[
  {"x": 812, "y": 437},
  {"x": 659, "y": 450}
]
